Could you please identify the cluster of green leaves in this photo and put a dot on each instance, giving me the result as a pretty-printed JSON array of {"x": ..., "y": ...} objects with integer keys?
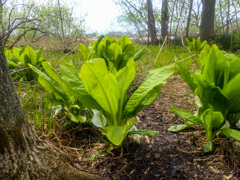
[
  {"x": 106, "y": 93},
  {"x": 63, "y": 100},
  {"x": 115, "y": 52},
  {"x": 216, "y": 86},
  {"x": 195, "y": 45},
  {"x": 229, "y": 42},
  {"x": 19, "y": 58}
]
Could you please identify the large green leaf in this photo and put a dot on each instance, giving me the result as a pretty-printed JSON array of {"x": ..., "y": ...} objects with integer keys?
[
  {"x": 124, "y": 41},
  {"x": 102, "y": 86},
  {"x": 188, "y": 116},
  {"x": 230, "y": 56},
  {"x": 214, "y": 65},
  {"x": 152, "y": 95},
  {"x": 128, "y": 52},
  {"x": 177, "y": 128},
  {"x": 233, "y": 133},
  {"x": 212, "y": 119},
  {"x": 55, "y": 76},
  {"x": 232, "y": 90},
  {"x": 13, "y": 64},
  {"x": 102, "y": 49},
  {"x": 234, "y": 68},
  {"x": 17, "y": 52},
  {"x": 25, "y": 60},
  {"x": 155, "y": 78},
  {"x": 31, "y": 55},
  {"x": 49, "y": 84},
  {"x": 114, "y": 52},
  {"x": 8, "y": 54},
  {"x": 84, "y": 51},
  {"x": 186, "y": 76},
  {"x": 209, "y": 94},
  {"x": 124, "y": 78},
  {"x": 70, "y": 76},
  {"x": 95, "y": 45},
  {"x": 77, "y": 118},
  {"x": 204, "y": 55},
  {"x": 116, "y": 134}
]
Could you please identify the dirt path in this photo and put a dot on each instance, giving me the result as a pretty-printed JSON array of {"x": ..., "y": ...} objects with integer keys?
[{"x": 168, "y": 156}]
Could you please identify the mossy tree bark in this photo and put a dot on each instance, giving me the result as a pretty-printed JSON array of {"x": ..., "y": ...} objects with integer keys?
[
  {"x": 22, "y": 154},
  {"x": 151, "y": 23},
  {"x": 207, "y": 20}
]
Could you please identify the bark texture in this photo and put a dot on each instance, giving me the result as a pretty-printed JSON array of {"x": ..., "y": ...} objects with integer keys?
[
  {"x": 164, "y": 19},
  {"x": 207, "y": 20},
  {"x": 151, "y": 23},
  {"x": 22, "y": 154},
  {"x": 189, "y": 18}
]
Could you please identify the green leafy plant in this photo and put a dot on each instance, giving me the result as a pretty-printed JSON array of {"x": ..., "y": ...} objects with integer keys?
[
  {"x": 195, "y": 45},
  {"x": 229, "y": 42},
  {"x": 115, "y": 52},
  {"x": 19, "y": 59},
  {"x": 106, "y": 93},
  {"x": 63, "y": 99},
  {"x": 217, "y": 91}
]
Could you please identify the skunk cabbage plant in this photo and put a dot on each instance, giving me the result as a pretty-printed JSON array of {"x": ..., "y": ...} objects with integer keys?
[
  {"x": 63, "y": 99},
  {"x": 115, "y": 52},
  {"x": 217, "y": 90},
  {"x": 195, "y": 45},
  {"x": 106, "y": 93},
  {"x": 19, "y": 59}
]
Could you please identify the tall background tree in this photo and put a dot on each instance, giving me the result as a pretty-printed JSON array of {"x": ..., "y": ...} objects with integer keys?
[
  {"x": 151, "y": 23},
  {"x": 184, "y": 17},
  {"x": 207, "y": 20},
  {"x": 189, "y": 18},
  {"x": 164, "y": 19},
  {"x": 31, "y": 22}
]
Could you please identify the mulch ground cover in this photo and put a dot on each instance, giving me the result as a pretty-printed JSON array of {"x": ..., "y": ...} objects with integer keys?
[{"x": 168, "y": 156}]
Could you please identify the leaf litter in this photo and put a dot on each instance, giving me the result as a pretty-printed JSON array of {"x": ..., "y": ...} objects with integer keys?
[{"x": 168, "y": 156}]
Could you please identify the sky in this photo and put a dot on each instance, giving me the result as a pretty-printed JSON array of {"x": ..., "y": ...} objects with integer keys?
[{"x": 101, "y": 15}]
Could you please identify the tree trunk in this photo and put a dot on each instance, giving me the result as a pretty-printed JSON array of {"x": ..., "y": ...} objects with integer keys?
[
  {"x": 189, "y": 18},
  {"x": 151, "y": 23},
  {"x": 207, "y": 20},
  {"x": 180, "y": 17},
  {"x": 221, "y": 13},
  {"x": 61, "y": 21},
  {"x": 228, "y": 13},
  {"x": 164, "y": 19},
  {"x": 22, "y": 154}
]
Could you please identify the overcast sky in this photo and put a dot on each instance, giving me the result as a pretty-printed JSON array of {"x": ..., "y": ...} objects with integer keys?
[{"x": 101, "y": 15}]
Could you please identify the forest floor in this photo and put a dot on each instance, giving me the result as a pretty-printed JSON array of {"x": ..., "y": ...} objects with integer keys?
[{"x": 168, "y": 156}]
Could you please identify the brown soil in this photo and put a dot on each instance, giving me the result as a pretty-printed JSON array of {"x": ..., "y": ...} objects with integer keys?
[{"x": 168, "y": 156}]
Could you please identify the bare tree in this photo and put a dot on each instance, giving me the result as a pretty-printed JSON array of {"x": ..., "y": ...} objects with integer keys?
[
  {"x": 164, "y": 19},
  {"x": 19, "y": 20},
  {"x": 151, "y": 23},
  {"x": 228, "y": 18},
  {"x": 189, "y": 17},
  {"x": 61, "y": 21},
  {"x": 207, "y": 19}
]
